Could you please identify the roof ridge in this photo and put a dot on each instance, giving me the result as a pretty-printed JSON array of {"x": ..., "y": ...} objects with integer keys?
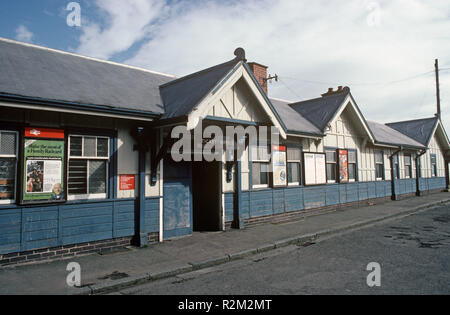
[
  {"x": 411, "y": 120},
  {"x": 345, "y": 91},
  {"x": 7, "y": 40},
  {"x": 189, "y": 76}
]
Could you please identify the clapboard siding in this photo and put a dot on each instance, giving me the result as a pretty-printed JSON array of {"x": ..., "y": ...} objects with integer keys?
[
  {"x": 35, "y": 227},
  {"x": 282, "y": 200},
  {"x": 151, "y": 216},
  {"x": 293, "y": 199},
  {"x": 332, "y": 195},
  {"x": 229, "y": 207}
]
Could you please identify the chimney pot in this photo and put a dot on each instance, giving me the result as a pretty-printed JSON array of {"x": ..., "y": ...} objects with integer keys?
[{"x": 260, "y": 72}]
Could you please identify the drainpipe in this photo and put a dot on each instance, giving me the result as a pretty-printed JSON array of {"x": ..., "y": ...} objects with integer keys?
[
  {"x": 393, "y": 173},
  {"x": 141, "y": 235},
  {"x": 418, "y": 171}
]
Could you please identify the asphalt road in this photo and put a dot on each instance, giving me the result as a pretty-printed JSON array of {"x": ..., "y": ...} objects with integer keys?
[{"x": 414, "y": 255}]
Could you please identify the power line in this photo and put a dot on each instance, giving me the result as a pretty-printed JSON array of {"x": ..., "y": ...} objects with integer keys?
[{"x": 364, "y": 84}]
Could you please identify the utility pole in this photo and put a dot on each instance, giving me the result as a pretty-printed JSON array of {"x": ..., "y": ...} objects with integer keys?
[{"x": 438, "y": 94}]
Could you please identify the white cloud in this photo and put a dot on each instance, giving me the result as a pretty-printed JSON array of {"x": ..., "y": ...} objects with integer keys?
[
  {"x": 23, "y": 34},
  {"x": 333, "y": 42},
  {"x": 126, "y": 23}
]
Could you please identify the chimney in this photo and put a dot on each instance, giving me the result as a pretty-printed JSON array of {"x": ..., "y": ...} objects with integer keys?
[
  {"x": 340, "y": 89},
  {"x": 260, "y": 72}
]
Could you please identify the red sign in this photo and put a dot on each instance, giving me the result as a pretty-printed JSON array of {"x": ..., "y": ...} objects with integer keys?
[
  {"x": 279, "y": 148},
  {"x": 44, "y": 133},
  {"x": 127, "y": 182}
]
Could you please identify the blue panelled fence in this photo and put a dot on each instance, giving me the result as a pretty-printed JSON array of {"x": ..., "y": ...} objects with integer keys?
[
  {"x": 34, "y": 227},
  {"x": 28, "y": 228},
  {"x": 267, "y": 202}
]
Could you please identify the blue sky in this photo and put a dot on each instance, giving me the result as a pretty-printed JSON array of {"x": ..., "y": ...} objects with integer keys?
[{"x": 376, "y": 47}]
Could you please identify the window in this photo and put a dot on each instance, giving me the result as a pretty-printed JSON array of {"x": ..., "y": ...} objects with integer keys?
[
  {"x": 379, "y": 165},
  {"x": 293, "y": 163},
  {"x": 396, "y": 167},
  {"x": 408, "y": 166},
  {"x": 8, "y": 162},
  {"x": 331, "y": 166},
  {"x": 352, "y": 166},
  {"x": 88, "y": 167},
  {"x": 260, "y": 166},
  {"x": 433, "y": 165}
]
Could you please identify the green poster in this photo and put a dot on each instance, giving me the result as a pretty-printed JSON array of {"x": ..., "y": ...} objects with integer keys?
[{"x": 43, "y": 170}]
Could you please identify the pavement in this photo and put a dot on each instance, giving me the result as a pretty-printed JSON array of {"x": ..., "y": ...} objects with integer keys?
[{"x": 118, "y": 270}]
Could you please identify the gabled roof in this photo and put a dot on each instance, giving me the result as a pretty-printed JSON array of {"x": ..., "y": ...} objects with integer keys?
[
  {"x": 320, "y": 111},
  {"x": 182, "y": 95},
  {"x": 385, "y": 135},
  {"x": 51, "y": 75},
  {"x": 420, "y": 130},
  {"x": 294, "y": 122}
]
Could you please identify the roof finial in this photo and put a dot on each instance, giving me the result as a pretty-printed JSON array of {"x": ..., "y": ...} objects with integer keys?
[{"x": 240, "y": 54}]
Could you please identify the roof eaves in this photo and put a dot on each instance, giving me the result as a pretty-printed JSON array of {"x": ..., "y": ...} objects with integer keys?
[{"x": 75, "y": 106}]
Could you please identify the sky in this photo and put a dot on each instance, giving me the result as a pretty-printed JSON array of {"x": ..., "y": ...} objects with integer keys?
[{"x": 384, "y": 50}]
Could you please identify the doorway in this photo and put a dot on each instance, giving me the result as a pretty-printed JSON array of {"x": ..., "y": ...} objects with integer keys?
[{"x": 207, "y": 196}]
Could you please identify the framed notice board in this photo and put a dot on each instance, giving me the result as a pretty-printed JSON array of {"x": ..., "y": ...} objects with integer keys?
[
  {"x": 315, "y": 169},
  {"x": 43, "y": 165}
]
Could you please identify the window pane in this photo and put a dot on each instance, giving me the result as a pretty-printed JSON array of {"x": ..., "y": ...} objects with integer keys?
[
  {"x": 293, "y": 173},
  {"x": 7, "y": 143},
  {"x": 379, "y": 170},
  {"x": 407, "y": 160},
  {"x": 97, "y": 177},
  {"x": 7, "y": 178},
  {"x": 255, "y": 173},
  {"x": 331, "y": 156},
  {"x": 89, "y": 146},
  {"x": 408, "y": 172},
  {"x": 352, "y": 171},
  {"x": 378, "y": 157},
  {"x": 263, "y": 153},
  {"x": 264, "y": 173},
  {"x": 293, "y": 154},
  {"x": 331, "y": 171},
  {"x": 351, "y": 157},
  {"x": 77, "y": 177},
  {"x": 102, "y": 147},
  {"x": 75, "y": 146}
]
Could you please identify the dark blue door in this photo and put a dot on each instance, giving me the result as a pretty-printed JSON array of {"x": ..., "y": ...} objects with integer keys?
[{"x": 177, "y": 216}]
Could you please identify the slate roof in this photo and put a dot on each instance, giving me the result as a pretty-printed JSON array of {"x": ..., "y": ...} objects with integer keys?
[
  {"x": 182, "y": 95},
  {"x": 37, "y": 72},
  {"x": 385, "y": 135},
  {"x": 420, "y": 130},
  {"x": 293, "y": 120},
  {"x": 321, "y": 110}
]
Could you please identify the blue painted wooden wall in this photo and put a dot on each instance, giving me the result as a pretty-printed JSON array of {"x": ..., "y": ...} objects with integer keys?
[
  {"x": 280, "y": 200},
  {"x": 28, "y": 228}
]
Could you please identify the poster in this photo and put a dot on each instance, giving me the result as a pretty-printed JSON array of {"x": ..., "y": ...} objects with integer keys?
[
  {"x": 343, "y": 166},
  {"x": 315, "y": 169},
  {"x": 127, "y": 182},
  {"x": 43, "y": 166},
  {"x": 279, "y": 165}
]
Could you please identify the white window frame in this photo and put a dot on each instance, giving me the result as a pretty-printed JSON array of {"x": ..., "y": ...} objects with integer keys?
[
  {"x": 299, "y": 162},
  {"x": 381, "y": 163},
  {"x": 355, "y": 163},
  {"x": 335, "y": 165},
  {"x": 261, "y": 161},
  {"x": 88, "y": 196},
  {"x": 12, "y": 201},
  {"x": 408, "y": 166}
]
